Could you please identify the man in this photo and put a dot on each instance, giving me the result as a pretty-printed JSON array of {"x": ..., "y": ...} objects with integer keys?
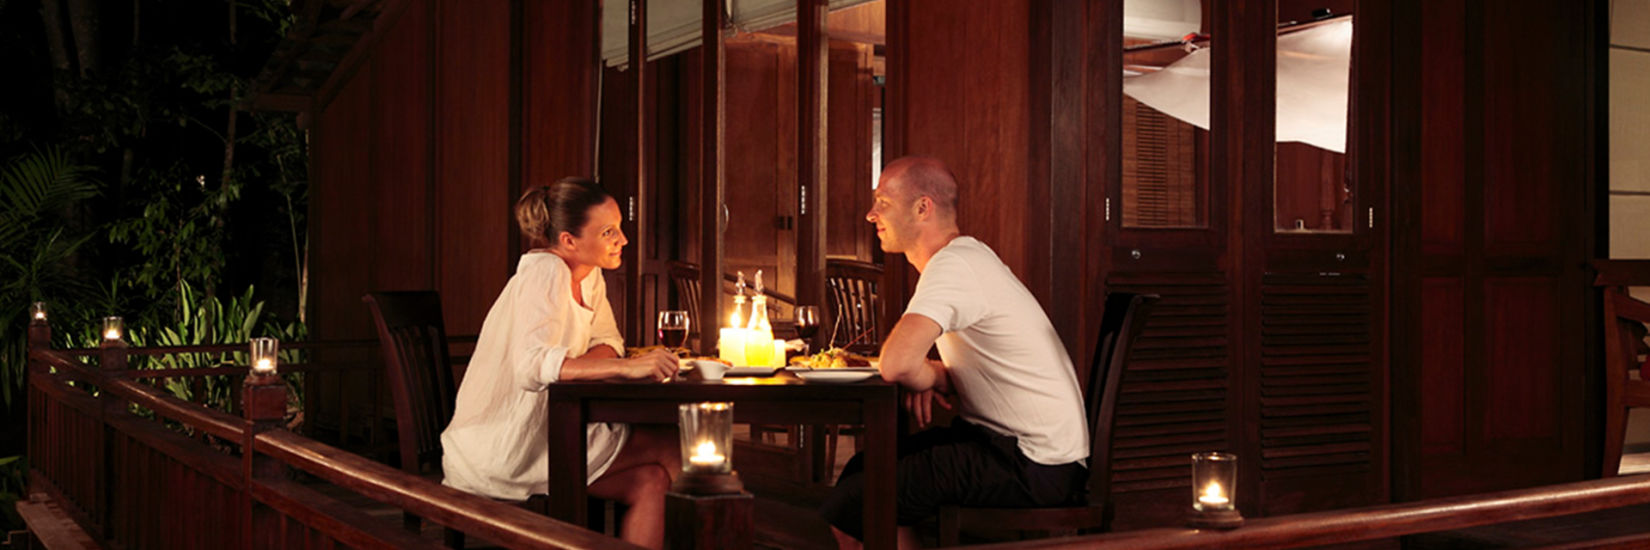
[{"x": 1021, "y": 439}]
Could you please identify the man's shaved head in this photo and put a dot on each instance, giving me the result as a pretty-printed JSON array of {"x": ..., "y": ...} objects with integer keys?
[{"x": 919, "y": 177}]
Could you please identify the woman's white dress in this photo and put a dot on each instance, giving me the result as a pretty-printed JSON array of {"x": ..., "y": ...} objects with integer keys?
[{"x": 496, "y": 444}]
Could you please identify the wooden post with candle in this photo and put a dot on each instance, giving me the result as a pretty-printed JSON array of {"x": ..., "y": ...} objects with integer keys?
[
  {"x": 708, "y": 506},
  {"x": 1214, "y": 491},
  {"x": 263, "y": 396}
]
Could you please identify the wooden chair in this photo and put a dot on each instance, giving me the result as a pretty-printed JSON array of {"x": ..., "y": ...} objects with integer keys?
[
  {"x": 855, "y": 304},
  {"x": 685, "y": 277},
  {"x": 1625, "y": 319},
  {"x": 419, "y": 369},
  {"x": 1124, "y": 319}
]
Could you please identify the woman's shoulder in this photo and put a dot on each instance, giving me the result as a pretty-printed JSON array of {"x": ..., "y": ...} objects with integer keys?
[{"x": 542, "y": 265}]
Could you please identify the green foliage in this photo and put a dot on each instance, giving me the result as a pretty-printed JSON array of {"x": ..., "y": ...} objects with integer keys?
[
  {"x": 14, "y": 472},
  {"x": 208, "y": 321},
  {"x": 41, "y": 194},
  {"x": 179, "y": 233}
]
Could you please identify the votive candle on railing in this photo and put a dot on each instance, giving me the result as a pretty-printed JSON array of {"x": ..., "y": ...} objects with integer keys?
[
  {"x": 113, "y": 327},
  {"x": 706, "y": 437},
  {"x": 37, "y": 311},
  {"x": 264, "y": 358},
  {"x": 1214, "y": 481}
]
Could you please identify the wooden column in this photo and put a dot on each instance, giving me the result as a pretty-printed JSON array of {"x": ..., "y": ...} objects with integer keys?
[
  {"x": 711, "y": 210},
  {"x": 635, "y": 306},
  {"x": 812, "y": 96}
]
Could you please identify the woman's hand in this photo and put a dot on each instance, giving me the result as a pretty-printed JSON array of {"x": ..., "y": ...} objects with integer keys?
[{"x": 655, "y": 365}]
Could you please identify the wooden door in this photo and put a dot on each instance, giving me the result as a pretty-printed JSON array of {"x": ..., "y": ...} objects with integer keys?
[
  {"x": 760, "y": 161},
  {"x": 1493, "y": 156}
]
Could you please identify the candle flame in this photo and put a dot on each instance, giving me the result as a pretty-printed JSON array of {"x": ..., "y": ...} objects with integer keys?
[
  {"x": 111, "y": 334},
  {"x": 705, "y": 449},
  {"x": 39, "y": 315},
  {"x": 1213, "y": 490}
]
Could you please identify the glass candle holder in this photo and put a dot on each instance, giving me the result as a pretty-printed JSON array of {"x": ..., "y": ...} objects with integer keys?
[
  {"x": 113, "y": 327},
  {"x": 707, "y": 437},
  {"x": 264, "y": 357},
  {"x": 37, "y": 311},
  {"x": 1214, "y": 482}
]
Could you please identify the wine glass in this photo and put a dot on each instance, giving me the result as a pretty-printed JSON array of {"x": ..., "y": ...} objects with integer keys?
[
  {"x": 673, "y": 328},
  {"x": 807, "y": 325}
]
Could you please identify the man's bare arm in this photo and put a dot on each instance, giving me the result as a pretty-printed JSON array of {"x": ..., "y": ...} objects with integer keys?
[{"x": 905, "y": 353}]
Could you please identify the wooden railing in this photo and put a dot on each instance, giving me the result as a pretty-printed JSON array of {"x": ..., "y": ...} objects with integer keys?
[
  {"x": 138, "y": 468},
  {"x": 1388, "y": 521}
]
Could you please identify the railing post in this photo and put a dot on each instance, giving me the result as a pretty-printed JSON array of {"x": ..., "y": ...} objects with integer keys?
[
  {"x": 263, "y": 402},
  {"x": 39, "y": 337},
  {"x": 112, "y": 360}
]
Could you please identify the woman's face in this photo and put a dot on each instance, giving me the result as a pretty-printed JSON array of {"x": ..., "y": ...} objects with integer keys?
[{"x": 601, "y": 240}]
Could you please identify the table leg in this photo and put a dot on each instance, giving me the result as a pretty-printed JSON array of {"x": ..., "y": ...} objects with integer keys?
[
  {"x": 567, "y": 461},
  {"x": 880, "y": 418}
]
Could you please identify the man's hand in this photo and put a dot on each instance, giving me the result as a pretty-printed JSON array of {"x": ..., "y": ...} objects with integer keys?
[{"x": 920, "y": 403}]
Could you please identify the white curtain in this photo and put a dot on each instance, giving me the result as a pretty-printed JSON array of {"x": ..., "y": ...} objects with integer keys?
[
  {"x": 1314, "y": 67},
  {"x": 673, "y": 25}
]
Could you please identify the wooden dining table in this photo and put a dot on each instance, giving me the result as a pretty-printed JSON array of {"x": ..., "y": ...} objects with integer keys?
[{"x": 781, "y": 398}]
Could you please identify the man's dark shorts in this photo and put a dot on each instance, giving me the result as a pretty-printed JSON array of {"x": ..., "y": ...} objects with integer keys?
[{"x": 962, "y": 464}]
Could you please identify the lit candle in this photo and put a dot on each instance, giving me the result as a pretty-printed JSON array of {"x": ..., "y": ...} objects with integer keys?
[
  {"x": 1213, "y": 496},
  {"x": 113, "y": 327},
  {"x": 263, "y": 353},
  {"x": 39, "y": 309},
  {"x": 705, "y": 455},
  {"x": 778, "y": 358},
  {"x": 732, "y": 346}
]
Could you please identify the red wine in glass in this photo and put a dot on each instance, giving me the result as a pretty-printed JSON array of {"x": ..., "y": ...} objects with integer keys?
[{"x": 673, "y": 337}]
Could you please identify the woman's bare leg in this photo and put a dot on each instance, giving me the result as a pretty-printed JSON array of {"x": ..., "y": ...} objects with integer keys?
[
  {"x": 643, "y": 489},
  {"x": 639, "y": 477}
]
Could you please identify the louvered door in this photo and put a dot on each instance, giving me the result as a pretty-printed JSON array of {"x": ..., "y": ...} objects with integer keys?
[
  {"x": 1316, "y": 401},
  {"x": 1173, "y": 399}
]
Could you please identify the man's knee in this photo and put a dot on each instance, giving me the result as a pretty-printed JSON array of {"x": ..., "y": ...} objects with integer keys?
[{"x": 650, "y": 481}]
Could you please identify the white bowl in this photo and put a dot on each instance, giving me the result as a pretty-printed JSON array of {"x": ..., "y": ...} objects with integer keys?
[{"x": 709, "y": 370}]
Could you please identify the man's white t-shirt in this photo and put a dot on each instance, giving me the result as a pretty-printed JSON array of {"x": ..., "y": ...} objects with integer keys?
[
  {"x": 1009, "y": 369},
  {"x": 496, "y": 444}
]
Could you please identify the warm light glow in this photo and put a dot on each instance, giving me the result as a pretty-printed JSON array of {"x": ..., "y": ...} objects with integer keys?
[
  {"x": 1213, "y": 495},
  {"x": 39, "y": 309},
  {"x": 705, "y": 455},
  {"x": 732, "y": 345},
  {"x": 111, "y": 334},
  {"x": 113, "y": 327},
  {"x": 39, "y": 315},
  {"x": 263, "y": 353}
]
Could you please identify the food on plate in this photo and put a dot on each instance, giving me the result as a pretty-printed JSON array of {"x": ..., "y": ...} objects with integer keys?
[
  {"x": 834, "y": 358},
  {"x": 644, "y": 350}
]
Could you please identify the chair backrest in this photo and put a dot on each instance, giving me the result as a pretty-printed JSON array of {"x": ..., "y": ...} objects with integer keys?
[
  {"x": 685, "y": 277},
  {"x": 418, "y": 369},
  {"x": 1625, "y": 320},
  {"x": 1120, "y": 325},
  {"x": 856, "y": 304}
]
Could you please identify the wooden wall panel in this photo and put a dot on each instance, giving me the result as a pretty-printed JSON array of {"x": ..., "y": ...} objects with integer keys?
[
  {"x": 1442, "y": 118},
  {"x": 1442, "y": 326},
  {"x": 343, "y": 189},
  {"x": 1522, "y": 365},
  {"x": 473, "y": 206},
  {"x": 972, "y": 110},
  {"x": 400, "y": 181},
  {"x": 849, "y": 149},
  {"x": 559, "y": 79}
]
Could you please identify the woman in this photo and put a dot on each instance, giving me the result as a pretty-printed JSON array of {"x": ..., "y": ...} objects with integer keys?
[{"x": 552, "y": 323}]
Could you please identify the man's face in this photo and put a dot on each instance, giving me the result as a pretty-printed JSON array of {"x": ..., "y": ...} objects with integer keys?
[
  {"x": 601, "y": 242},
  {"x": 893, "y": 214}
]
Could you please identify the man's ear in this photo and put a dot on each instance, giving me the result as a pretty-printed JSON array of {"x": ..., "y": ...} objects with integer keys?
[{"x": 924, "y": 204}]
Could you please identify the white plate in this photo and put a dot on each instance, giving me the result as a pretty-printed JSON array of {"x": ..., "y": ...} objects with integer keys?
[
  {"x": 750, "y": 371},
  {"x": 802, "y": 368},
  {"x": 834, "y": 376}
]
